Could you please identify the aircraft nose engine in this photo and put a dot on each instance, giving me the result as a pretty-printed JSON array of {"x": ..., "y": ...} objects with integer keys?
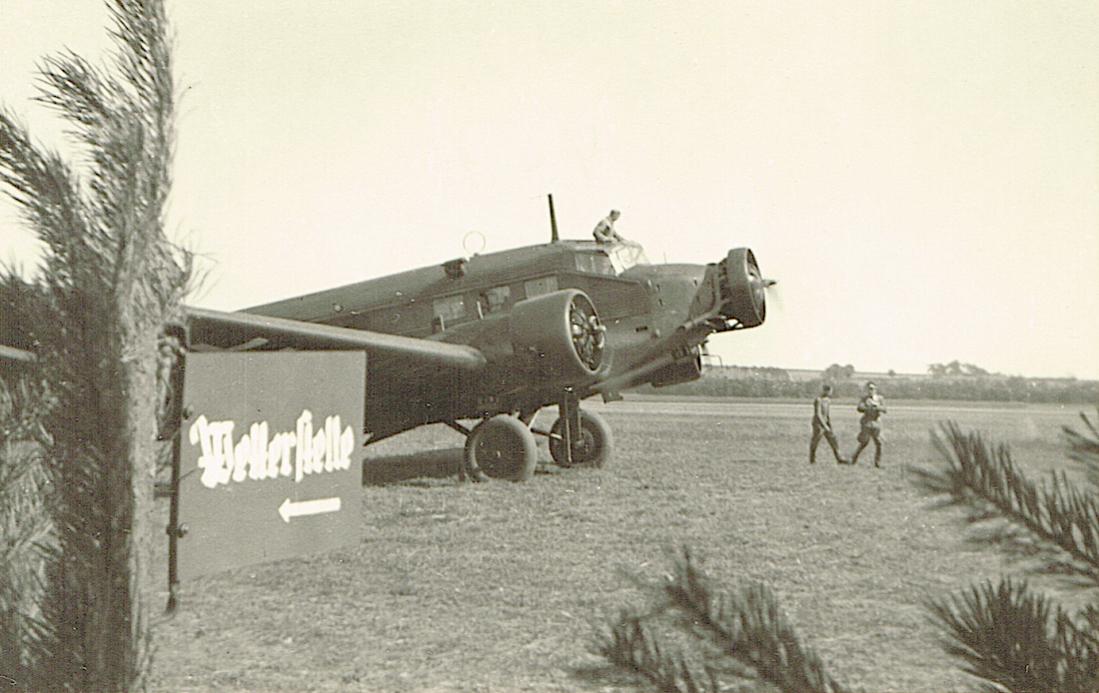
[
  {"x": 560, "y": 333},
  {"x": 742, "y": 287}
]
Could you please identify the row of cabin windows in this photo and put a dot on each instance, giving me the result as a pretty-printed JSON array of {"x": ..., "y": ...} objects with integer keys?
[{"x": 450, "y": 309}]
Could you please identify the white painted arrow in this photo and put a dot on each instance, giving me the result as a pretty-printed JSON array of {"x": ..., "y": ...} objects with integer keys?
[{"x": 290, "y": 509}]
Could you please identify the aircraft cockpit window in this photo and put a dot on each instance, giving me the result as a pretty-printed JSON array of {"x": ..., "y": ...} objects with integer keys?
[
  {"x": 594, "y": 263},
  {"x": 537, "y": 287},
  {"x": 494, "y": 300},
  {"x": 626, "y": 254},
  {"x": 449, "y": 308}
]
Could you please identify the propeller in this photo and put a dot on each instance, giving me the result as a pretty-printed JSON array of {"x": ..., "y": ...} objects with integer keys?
[
  {"x": 588, "y": 334},
  {"x": 774, "y": 294},
  {"x": 744, "y": 288}
]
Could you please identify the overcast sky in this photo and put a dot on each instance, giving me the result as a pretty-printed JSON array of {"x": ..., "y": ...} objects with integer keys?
[{"x": 922, "y": 177}]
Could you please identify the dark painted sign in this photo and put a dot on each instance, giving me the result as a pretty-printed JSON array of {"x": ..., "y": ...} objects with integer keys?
[{"x": 270, "y": 457}]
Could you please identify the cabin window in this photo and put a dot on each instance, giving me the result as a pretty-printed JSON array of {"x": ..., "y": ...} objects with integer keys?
[
  {"x": 449, "y": 308},
  {"x": 594, "y": 263},
  {"x": 627, "y": 254},
  {"x": 537, "y": 287},
  {"x": 494, "y": 300}
]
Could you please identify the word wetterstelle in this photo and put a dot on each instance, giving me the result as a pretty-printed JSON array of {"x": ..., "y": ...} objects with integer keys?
[{"x": 258, "y": 455}]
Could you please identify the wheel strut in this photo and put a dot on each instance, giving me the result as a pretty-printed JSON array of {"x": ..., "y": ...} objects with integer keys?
[{"x": 568, "y": 409}]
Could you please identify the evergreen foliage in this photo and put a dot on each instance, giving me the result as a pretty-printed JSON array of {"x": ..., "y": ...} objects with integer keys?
[
  {"x": 24, "y": 524},
  {"x": 1007, "y": 633},
  {"x": 731, "y": 638},
  {"x": 108, "y": 283}
]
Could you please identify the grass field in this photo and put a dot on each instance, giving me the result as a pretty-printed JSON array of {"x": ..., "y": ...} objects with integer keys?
[{"x": 498, "y": 587}]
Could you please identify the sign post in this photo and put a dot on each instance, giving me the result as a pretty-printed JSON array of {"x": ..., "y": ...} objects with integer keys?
[{"x": 268, "y": 459}]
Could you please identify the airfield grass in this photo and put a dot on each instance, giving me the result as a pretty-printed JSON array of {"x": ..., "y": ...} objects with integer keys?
[{"x": 501, "y": 587}]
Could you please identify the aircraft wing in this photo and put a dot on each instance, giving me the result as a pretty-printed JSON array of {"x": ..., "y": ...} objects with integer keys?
[
  {"x": 501, "y": 363},
  {"x": 240, "y": 331},
  {"x": 410, "y": 381}
]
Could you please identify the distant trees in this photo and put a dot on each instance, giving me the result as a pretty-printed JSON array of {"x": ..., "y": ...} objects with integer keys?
[
  {"x": 989, "y": 388},
  {"x": 955, "y": 368},
  {"x": 836, "y": 372},
  {"x": 762, "y": 372}
]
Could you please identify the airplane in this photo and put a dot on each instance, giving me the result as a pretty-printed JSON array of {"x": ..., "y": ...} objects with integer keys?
[{"x": 495, "y": 338}]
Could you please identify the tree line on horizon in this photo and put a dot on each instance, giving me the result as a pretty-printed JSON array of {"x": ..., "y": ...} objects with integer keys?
[{"x": 953, "y": 381}]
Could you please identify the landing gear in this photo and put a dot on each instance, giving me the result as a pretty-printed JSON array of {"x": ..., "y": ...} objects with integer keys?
[
  {"x": 591, "y": 445},
  {"x": 500, "y": 448},
  {"x": 579, "y": 437}
]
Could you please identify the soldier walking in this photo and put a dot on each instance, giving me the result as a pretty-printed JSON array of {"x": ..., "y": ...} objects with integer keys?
[
  {"x": 872, "y": 407},
  {"x": 822, "y": 426}
]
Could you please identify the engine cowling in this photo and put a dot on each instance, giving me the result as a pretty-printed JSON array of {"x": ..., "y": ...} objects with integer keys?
[
  {"x": 743, "y": 288},
  {"x": 558, "y": 335}
]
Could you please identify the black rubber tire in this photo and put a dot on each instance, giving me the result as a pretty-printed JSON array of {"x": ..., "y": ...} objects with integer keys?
[
  {"x": 501, "y": 448},
  {"x": 594, "y": 447},
  {"x": 747, "y": 301}
]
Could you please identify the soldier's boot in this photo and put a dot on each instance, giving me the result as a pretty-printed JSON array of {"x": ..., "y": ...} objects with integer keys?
[
  {"x": 836, "y": 452},
  {"x": 855, "y": 457}
]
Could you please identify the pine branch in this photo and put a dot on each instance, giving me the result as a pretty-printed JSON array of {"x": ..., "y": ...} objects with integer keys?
[
  {"x": 1019, "y": 640},
  {"x": 632, "y": 646},
  {"x": 47, "y": 193},
  {"x": 1057, "y": 515},
  {"x": 25, "y": 526},
  {"x": 1084, "y": 446},
  {"x": 110, "y": 281},
  {"x": 736, "y": 635}
]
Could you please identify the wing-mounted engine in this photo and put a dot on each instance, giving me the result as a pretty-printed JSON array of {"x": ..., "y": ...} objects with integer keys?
[
  {"x": 559, "y": 335},
  {"x": 733, "y": 292},
  {"x": 743, "y": 288}
]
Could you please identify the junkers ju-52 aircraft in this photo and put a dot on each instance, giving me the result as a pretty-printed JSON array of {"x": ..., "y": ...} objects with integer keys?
[{"x": 494, "y": 338}]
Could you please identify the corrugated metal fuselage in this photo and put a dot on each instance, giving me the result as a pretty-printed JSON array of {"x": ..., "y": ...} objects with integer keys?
[{"x": 468, "y": 302}]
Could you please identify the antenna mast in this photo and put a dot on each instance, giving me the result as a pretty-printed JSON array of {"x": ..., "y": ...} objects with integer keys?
[{"x": 553, "y": 220}]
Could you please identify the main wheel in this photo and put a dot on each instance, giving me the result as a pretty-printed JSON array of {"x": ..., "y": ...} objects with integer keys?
[
  {"x": 591, "y": 446},
  {"x": 501, "y": 448}
]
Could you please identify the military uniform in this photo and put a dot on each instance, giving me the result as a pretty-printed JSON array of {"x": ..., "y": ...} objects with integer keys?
[
  {"x": 604, "y": 231},
  {"x": 872, "y": 407},
  {"x": 822, "y": 428}
]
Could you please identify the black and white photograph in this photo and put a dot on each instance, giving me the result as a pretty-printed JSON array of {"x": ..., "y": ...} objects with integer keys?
[{"x": 594, "y": 347}]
